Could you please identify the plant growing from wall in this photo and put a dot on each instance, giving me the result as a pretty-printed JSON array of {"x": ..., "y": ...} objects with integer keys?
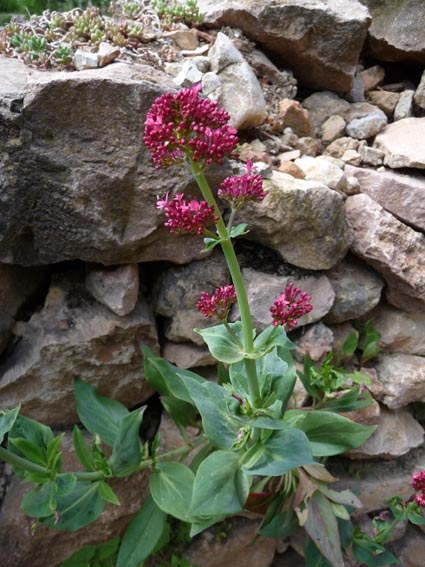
[{"x": 251, "y": 451}]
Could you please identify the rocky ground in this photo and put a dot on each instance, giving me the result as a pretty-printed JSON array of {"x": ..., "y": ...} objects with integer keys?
[{"x": 330, "y": 104}]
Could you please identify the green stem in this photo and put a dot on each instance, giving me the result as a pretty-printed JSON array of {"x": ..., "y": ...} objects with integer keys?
[
  {"x": 179, "y": 452},
  {"x": 21, "y": 463},
  {"x": 238, "y": 282}
]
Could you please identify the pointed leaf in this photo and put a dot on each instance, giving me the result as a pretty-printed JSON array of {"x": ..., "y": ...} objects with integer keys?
[
  {"x": 39, "y": 502},
  {"x": 82, "y": 450},
  {"x": 281, "y": 452},
  {"x": 220, "y": 487},
  {"x": 7, "y": 419},
  {"x": 221, "y": 344},
  {"x": 171, "y": 486},
  {"x": 142, "y": 535},
  {"x": 127, "y": 449},
  {"x": 106, "y": 492},
  {"x": 98, "y": 414}
]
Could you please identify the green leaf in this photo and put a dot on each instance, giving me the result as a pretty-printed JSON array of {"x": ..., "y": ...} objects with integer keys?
[
  {"x": 313, "y": 557},
  {"x": 65, "y": 483},
  {"x": 126, "y": 451},
  {"x": 201, "y": 525},
  {"x": 82, "y": 450},
  {"x": 345, "y": 497},
  {"x": 30, "y": 430},
  {"x": 99, "y": 415},
  {"x": 53, "y": 450},
  {"x": 239, "y": 230},
  {"x": 220, "y": 487},
  {"x": 221, "y": 343},
  {"x": 171, "y": 486},
  {"x": 415, "y": 514},
  {"x": 271, "y": 338},
  {"x": 322, "y": 527},
  {"x": 350, "y": 344},
  {"x": 142, "y": 535},
  {"x": 210, "y": 243},
  {"x": 40, "y": 502},
  {"x": 330, "y": 433},
  {"x": 7, "y": 419},
  {"x": 78, "y": 508},
  {"x": 94, "y": 556},
  {"x": 368, "y": 551},
  {"x": 280, "y": 524},
  {"x": 269, "y": 423},
  {"x": 215, "y": 405},
  {"x": 281, "y": 452},
  {"x": 29, "y": 450},
  {"x": 106, "y": 492}
]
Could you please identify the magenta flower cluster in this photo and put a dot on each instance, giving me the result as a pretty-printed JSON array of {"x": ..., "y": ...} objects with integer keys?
[
  {"x": 290, "y": 306},
  {"x": 184, "y": 125},
  {"x": 418, "y": 483},
  {"x": 240, "y": 189},
  {"x": 187, "y": 216},
  {"x": 217, "y": 304}
]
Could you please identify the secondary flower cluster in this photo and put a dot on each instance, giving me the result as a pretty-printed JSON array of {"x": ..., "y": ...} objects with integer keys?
[
  {"x": 418, "y": 483},
  {"x": 217, "y": 304},
  {"x": 187, "y": 216},
  {"x": 184, "y": 125},
  {"x": 290, "y": 306},
  {"x": 240, "y": 189}
]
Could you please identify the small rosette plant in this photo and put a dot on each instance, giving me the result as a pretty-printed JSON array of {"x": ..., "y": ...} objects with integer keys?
[{"x": 251, "y": 452}]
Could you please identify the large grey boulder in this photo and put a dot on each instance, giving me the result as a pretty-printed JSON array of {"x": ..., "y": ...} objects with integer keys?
[
  {"x": 302, "y": 220},
  {"x": 75, "y": 336},
  {"x": 397, "y": 31},
  {"x": 319, "y": 40},
  {"x": 77, "y": 181},
  {"x": 392, "y": 248}
]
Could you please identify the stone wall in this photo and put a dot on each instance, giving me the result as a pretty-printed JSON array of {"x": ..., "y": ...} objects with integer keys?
[{"x": 88, "y": 272}]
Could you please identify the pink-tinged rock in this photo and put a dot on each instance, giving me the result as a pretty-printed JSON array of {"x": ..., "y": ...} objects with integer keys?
[
  {"x": 117, "y": 287},
  {"x": 397, "y": 434},
  {"x": 392, "y": 248},
  {"x": 372, "y": 77},
  {"x": 402, "y": 195},
  {"x": 402, "y": 143},
  {"x": 316, "y": 342},
  {"x": 294, "y": 116},
  {"x": 385, "y": 100},
  {"x": 400, "y": 331},
  {"x": 402, "y": 377},
  {"x": 187, "y": 355},
  {"x": 74, "y": 335},
  {"x": 321, "y": 42}
]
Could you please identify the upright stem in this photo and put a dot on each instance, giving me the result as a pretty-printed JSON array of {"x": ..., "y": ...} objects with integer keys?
[{"x": 238, "y": 282}]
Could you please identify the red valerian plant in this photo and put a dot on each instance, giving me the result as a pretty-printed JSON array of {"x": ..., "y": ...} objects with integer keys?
[{"x": 251, "y": 447}]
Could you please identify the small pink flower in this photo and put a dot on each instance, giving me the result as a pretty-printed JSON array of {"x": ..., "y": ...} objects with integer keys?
[
  {"x": 185, "y": 125},
  {"x": 217, "y": 304},
  {"x": 418, "y": 480},
  {"x": 242, "y": 188},
  {"x": 420, "y": 499},
  {"x": 187, "y": 216},
  {"x": 289, "y": 306}
]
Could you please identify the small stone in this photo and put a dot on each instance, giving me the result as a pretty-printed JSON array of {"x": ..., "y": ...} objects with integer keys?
[
  {"x": 404, "y": 106},
  {"x": 296, "y": 117},
  {"x": 372, "y": 77},
  {"x": 356, "y": 93},
  {"x": 419, "y": 97},
  {"x": 224, "y": 53},
  {"x": 371, "y": 156},
  {"x": 316, "y": 342},
  {"x": 85, "y": 60},
  {"x": 338, "y": 147},
  {"x": 107, "y": 53},
  {"x": 185, "y": 39},
  {"x": 352, "y": 157},
  {"x": 289, "y": 156},
  {"x": 290, "y": 168},
  {"x": 321, "y": 105},
  {"x": 322, "y": 170},
  {"x": 332, "y": 128},
  {"x": 211, "y": 86},
  {"x": 367, "y": 126},
  {"x": 189, "y": 75},
  {"x": 385, "y": 100},
  {"x": 308, "y": 146},
  {"x": 353, "y": 186},
  {"x": 117, "y": 287}
]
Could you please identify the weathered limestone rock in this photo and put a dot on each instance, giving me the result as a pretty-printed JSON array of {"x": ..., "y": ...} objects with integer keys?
[
  {"x": 419, "y": 97},
  {"x": 302, "y": 220},
  {"x": 404, "y": 106},
  {"x": 374, "y": 485},
  {"x": 79, "y": 182},
  {"x": 73, "y": 335},
  {"x": 294, "y": 116},
  {"x": 22, "y": 545},
  {"x": 332, "y": 128},
  {"x": 177, "y": 291},
  {"x": 397, "y": 31},
  {"x": 322, "y": 169},
  {"x": 263, "y": 289},
  {"x": 385, "y": 100},
  {"x": 402, "y": 377},
  {"x": 324, "y": 104},
  {"x": 372, "y": 77},
  {"x": 401, "y": 195},
  {"x": 397, "y": 433},
  {"x": 402, "y": 143},
  {"x": 320, "y": 42},
  {"x": 400, "y": 331},
  {"x": 411, "y": 549},
  {"x": 117, "y": 288},
  {"x": 392, "y": 248},
  {"x": 371, "y": 156},
  {"x": 338, "y": 147},
  {"x": 317, "y": 341},
  {"x": 187, "y": 355},
  {"x": 367, "y": 126},
  {"x": 240, "y": 92},
  {"x": 234, "y": 549},
  {"x": 357, "y": 290}
]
